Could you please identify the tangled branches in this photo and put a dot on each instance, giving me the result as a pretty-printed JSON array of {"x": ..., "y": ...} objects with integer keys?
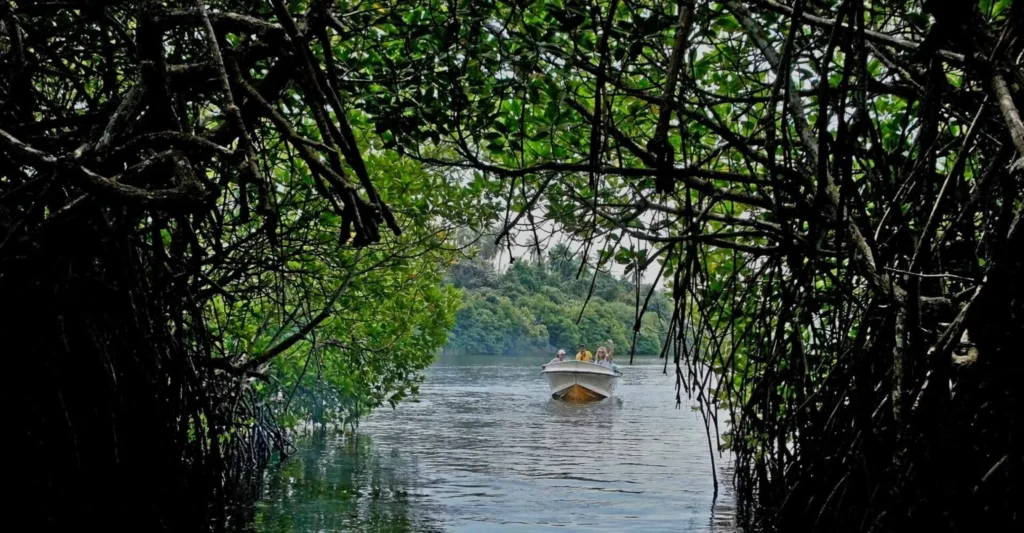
[
  {"x": 155, "y": 156},
  {"x": 831, "y": 192}
]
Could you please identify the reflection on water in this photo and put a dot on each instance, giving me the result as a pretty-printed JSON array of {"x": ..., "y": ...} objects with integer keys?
[{"x": 486, "y": 449}]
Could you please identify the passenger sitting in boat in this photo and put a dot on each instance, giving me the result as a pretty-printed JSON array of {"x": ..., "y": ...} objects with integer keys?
[
  {"x": 604, "y": 358},
  {"x": 583, "y": 354},
  {"x": 611, "y": 365},
  {"x": 559, "y": 358}
]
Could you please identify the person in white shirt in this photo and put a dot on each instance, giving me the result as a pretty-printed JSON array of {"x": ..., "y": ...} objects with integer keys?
[
  {"x": 604, "y": 358},
  {"x": 559, "y": 358}
]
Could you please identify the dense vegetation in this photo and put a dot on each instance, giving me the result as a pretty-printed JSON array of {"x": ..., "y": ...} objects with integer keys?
[
  {"x": 537, "y": 307},
  {"x": 202, "y": 244},
  {"x": 206, "y": 204},
  {"x": 832, "y": 190}
]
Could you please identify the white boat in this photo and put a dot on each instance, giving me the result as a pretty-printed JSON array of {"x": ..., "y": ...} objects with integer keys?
[{"x": 579, "y": 381}]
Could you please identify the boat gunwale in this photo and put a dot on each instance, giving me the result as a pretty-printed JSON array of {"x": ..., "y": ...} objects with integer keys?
[{"x": 575, "y": 369}]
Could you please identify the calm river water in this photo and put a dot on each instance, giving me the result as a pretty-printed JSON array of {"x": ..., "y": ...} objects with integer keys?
[{"x": 487, "y": 449}]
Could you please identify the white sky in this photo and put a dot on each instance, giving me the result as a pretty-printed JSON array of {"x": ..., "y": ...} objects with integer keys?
[{"x": 551, "y": 238}]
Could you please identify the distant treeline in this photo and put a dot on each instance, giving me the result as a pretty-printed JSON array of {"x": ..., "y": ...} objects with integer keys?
[{"x": 533, "y": 307}]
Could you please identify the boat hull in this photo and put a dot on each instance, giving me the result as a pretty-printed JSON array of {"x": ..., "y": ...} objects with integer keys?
[{"x": 580, "y": 382}]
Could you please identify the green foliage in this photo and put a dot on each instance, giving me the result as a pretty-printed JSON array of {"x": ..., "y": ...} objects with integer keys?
[
  {"x": 792, "y": 179},
  {"x": 387, "y": 311},
  {"x": 795, "y": 170},
  {"x": 532, "y": 308}
]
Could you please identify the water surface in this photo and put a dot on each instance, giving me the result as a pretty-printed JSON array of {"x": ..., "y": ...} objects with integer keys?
[{"x": 487, "y": 449}]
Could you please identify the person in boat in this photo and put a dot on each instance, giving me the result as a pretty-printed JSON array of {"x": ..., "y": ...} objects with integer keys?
[
  {"x": 558, "y": 358},
  {"x": 611, "y": 365},
  {"x": 583, "y": 354},
  {"x": 604, "y": 358}
]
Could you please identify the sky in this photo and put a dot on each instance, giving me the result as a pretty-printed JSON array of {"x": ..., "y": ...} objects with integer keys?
[{"x": 550, "y": 237}]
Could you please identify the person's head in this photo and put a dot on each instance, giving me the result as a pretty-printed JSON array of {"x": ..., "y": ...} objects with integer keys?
[
  {"x": 601, "y": 353},
  {"x": 561, "y": 354},
  {"x": 583, "y": 346}
]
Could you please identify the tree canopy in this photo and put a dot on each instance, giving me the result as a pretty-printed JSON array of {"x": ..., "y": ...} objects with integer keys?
[
  {"x": 210, "y": 244},
  {"x": 830, "y": 189},
  {"x": 536, "y": 308}
]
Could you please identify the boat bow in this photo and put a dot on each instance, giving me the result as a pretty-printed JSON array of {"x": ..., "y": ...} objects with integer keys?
[{"x": 579, "y": 381}]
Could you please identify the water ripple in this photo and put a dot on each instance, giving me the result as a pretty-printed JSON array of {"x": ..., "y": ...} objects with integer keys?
[{"x": 486, "y": 449}]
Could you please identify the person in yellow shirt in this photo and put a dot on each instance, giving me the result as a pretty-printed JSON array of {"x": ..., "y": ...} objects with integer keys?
[{"x": 583, "y": 354}]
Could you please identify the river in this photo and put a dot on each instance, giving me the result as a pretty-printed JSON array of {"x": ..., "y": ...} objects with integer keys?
[{"x": 486, "y": 449}]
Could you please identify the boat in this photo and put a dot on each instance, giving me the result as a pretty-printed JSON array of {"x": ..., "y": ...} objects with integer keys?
[{"x": 580, "y": 381}]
